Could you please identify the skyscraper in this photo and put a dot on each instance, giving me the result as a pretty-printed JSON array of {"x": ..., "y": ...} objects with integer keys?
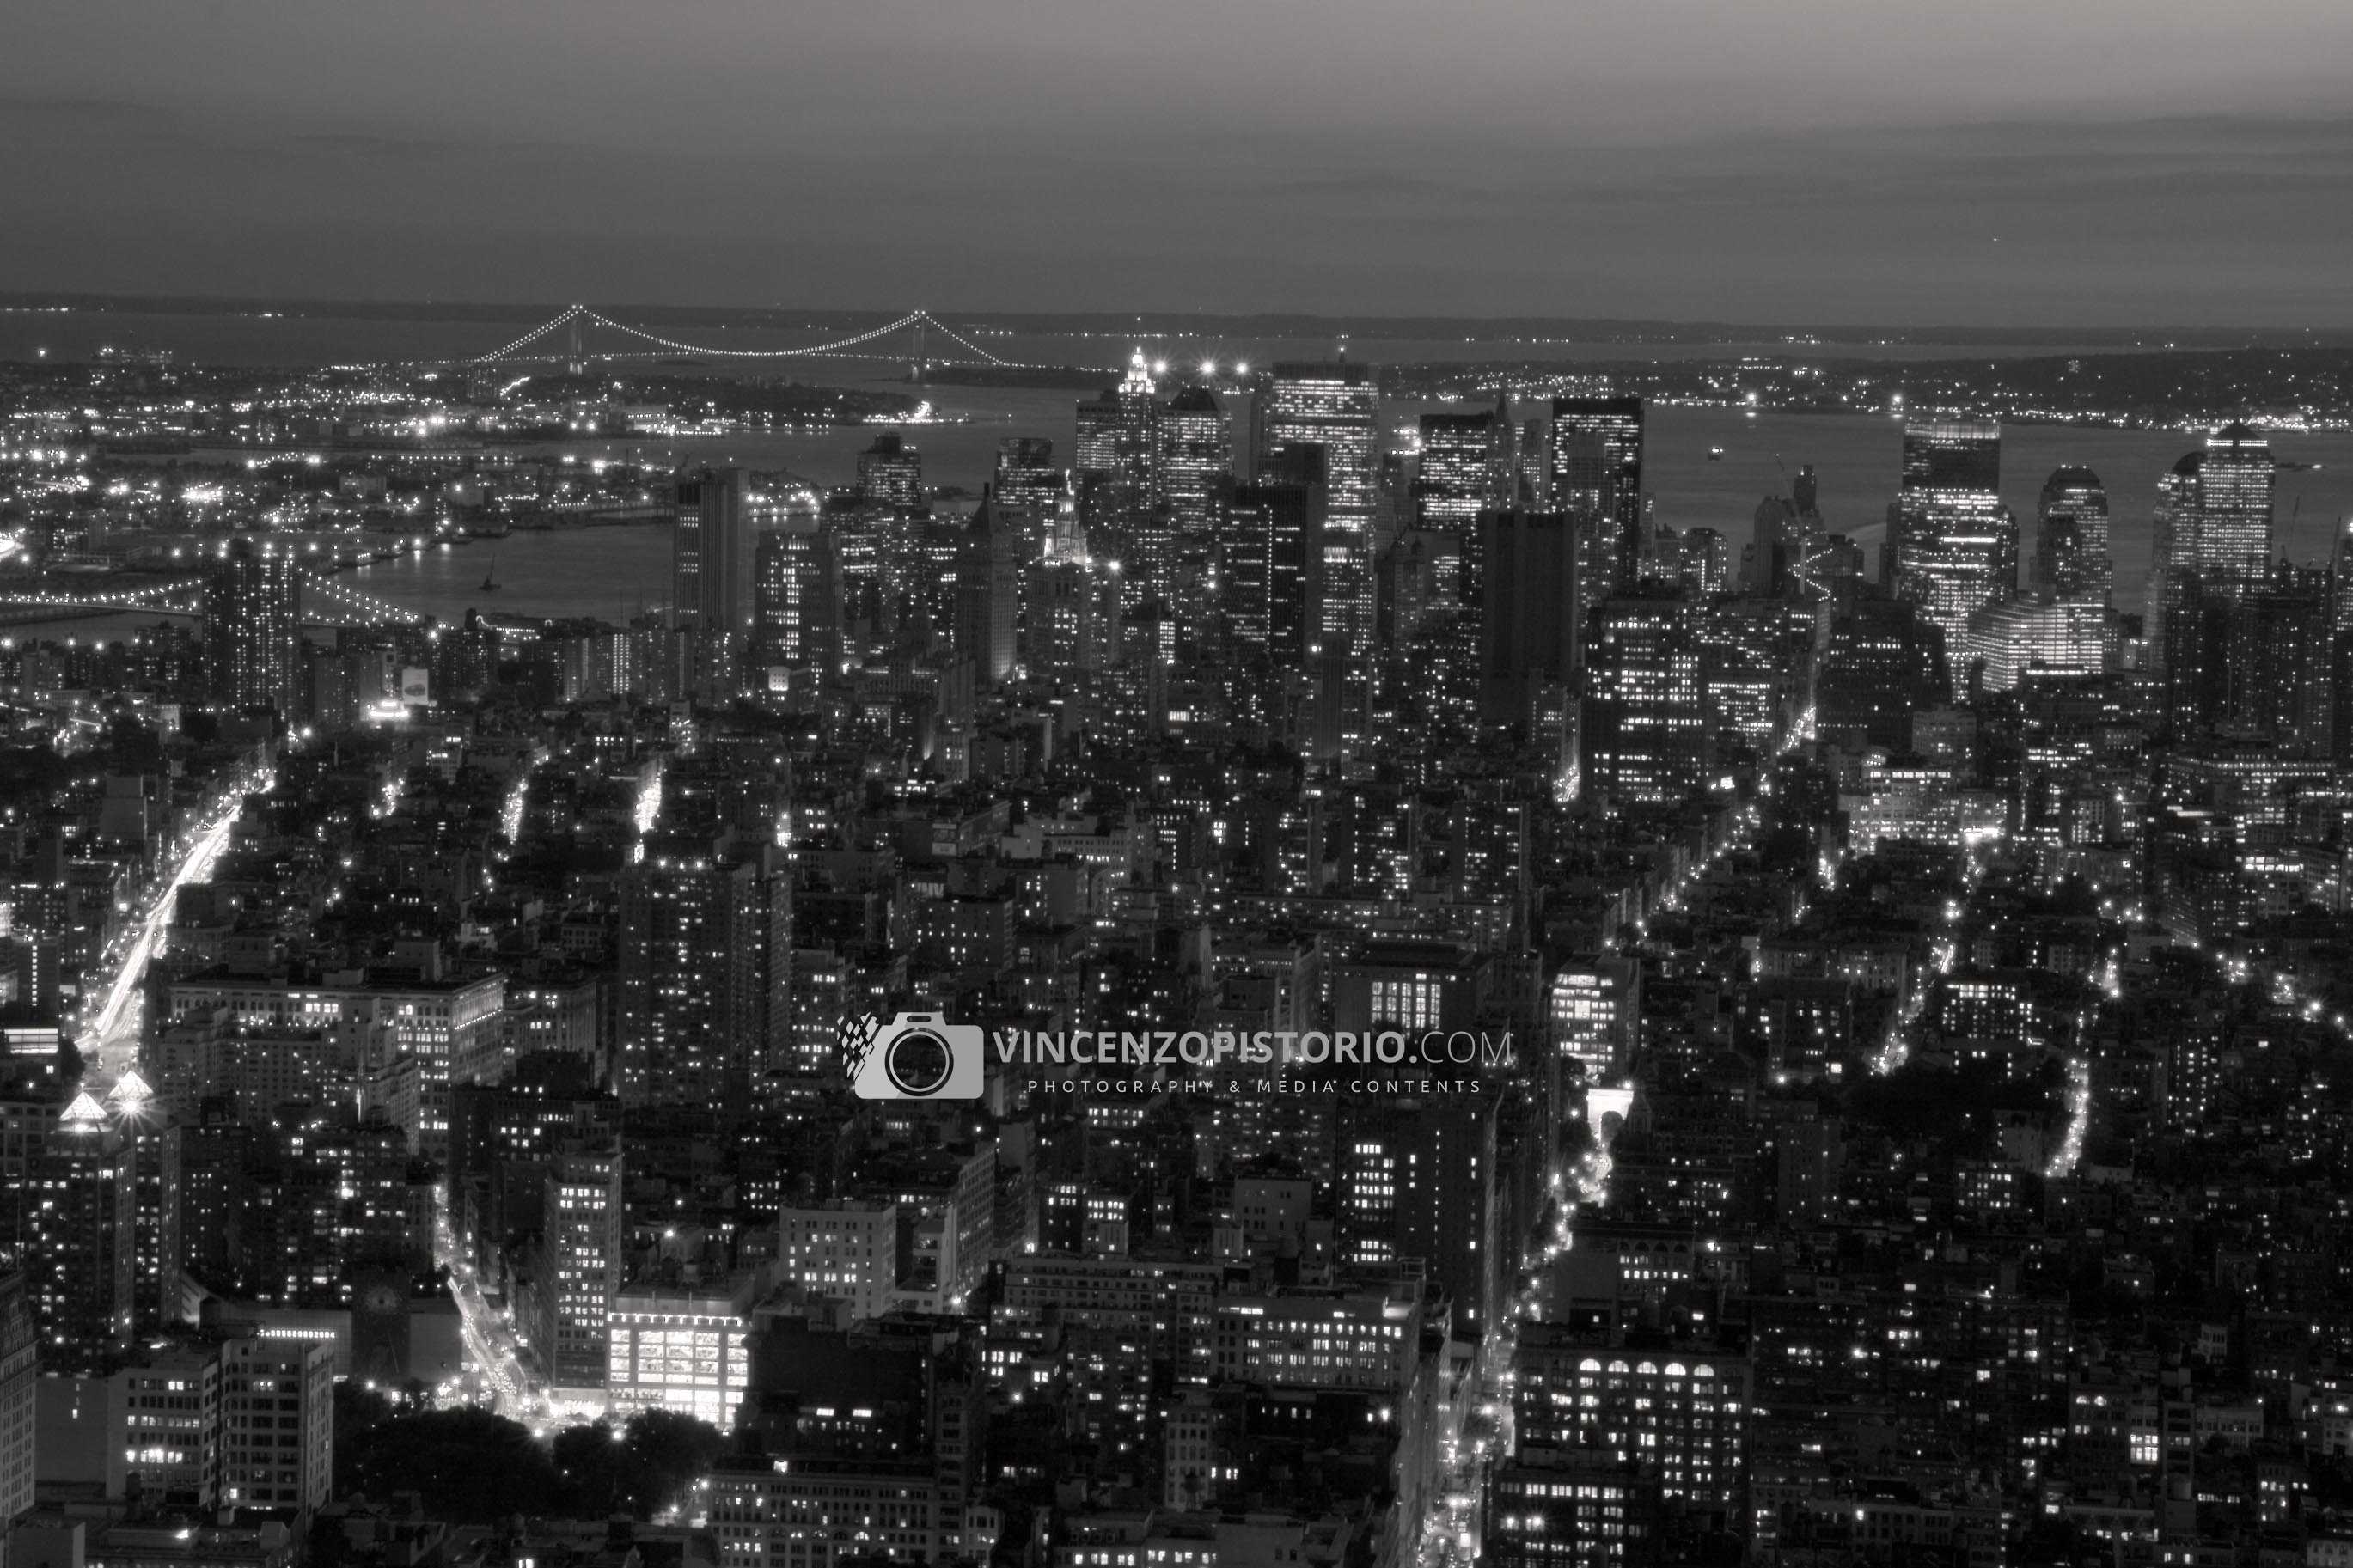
[
  {"x": 1645, "y": 737},
  {"x": 1455, "y": 479},
  {"x": 1955, "y": 546},
  {"x": 1119, "y": 450},
  {"x": 1335, "y": 408},
  {"x": 890, "y": 474},
  {"x": 1270, "y": 572},
  {"x": 583, "y": 1229},
  {"x": 2214, "y": 525},
  {"x": 988, "y": 594},
  {"x": 19, "y": 1362},
  {"x": 1595, "y": 461},
  {"x": 691, "y": 949},
  {"x": 84, "y": 1254},
  {"x": 711, "y": 579},
  {"x": 1197, "y": 463},
  {"x": 1528, "y": 626},
  {"x": 253, "y": 627},
  {"x": 2340, "y": 645},
  {"x": 2070, "y": 557},
  {"x": 2280, "y": 682},
  {"x": 1026, "y": 474},
  {"x": 796, "y": 596},
  {"x": 1884, "y": 660}
]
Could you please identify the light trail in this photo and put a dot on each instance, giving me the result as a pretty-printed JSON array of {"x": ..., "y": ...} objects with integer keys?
[
  {"x": 116, "y": 1019},
  {"x": 2079, "y": 1119},
  {"x": 492, "y": 1351},
  {"x": 1450, "y": 1533}
]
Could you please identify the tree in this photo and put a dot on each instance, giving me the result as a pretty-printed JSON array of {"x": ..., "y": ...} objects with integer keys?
[
  {"x": 468, "y": 1466},
  {"x": 642, "y": 1469}
]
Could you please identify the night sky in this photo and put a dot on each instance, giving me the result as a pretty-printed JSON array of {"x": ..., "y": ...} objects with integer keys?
[{"x": 1775, "y": 161}]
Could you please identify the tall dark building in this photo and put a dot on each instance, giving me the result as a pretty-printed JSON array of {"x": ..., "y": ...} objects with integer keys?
[
  {"x": 1272, "y": 562},
  {"x": 989, "y": 594},
  {"x": 2280, "y": 663},
  {"x": 1527, "y": 609},
  {"x": 84, "y": 1247},
  {"x": 1595, "y": 459},
  {"x": 2340, "y": 644},
  {"x": 2070, "y": 555},
  {"x": 504, "y": 1139},
  {"x": 711, "y": 580},
  {"x": 1884, "y": 660},
  {"x": 253, "y": 627},
  {"x": 20, "y": 1346},
  {"x": 890, "y": 474},
  {"x": 1953, "y": 546},
  {"x": 1645, "y": 737}
]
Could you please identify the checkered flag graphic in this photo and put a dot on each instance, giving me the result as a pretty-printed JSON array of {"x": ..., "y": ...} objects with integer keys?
[{"x": 856, "y": 1035}]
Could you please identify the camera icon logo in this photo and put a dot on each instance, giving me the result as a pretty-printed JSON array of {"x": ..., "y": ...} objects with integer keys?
[{"x": 914, "y": 1056}]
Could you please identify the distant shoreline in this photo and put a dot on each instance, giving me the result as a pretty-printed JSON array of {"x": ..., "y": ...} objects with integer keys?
[{"x": 1800, "y": 337}]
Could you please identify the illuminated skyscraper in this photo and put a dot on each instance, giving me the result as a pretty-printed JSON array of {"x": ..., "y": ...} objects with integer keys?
[
  {"x": 1119, "y": 453},
  {"x": 2213, "y": 526},
  {"x": 583, "y": 1230},
  {"x": 1645, "y": 732},
  {"x": 1456, "y": 480},
  {"x": 253, "y": 627},
  {"x": 1196, "y": 462},
  {"x": 1595, "y": 458},
  {"x": 797, "y": 597},
  {"x": 1955, "y": 546},
  {"x": 693, "y": 952},
  {"x": 711, "y": 579},
  {"x": 84, "y": 1257},
  {"x": 1336, "y": 407},
  {"x": 2071, "y": 559}
]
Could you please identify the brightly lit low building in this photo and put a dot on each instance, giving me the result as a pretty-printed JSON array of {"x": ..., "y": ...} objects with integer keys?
[
  {"x": 2042, "y": 636},
  {"x": 681, "y": 1350}
]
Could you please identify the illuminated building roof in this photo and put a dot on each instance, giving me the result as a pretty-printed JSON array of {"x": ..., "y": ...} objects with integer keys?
[{"x": 83, "y": 1114}]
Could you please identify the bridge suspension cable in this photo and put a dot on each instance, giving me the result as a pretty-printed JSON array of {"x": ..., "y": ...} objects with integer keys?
[
  {"x": 372, "y": 609},
  {"x": 914, "y": 319}
]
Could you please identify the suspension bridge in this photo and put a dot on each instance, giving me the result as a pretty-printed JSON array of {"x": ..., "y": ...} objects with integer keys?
[
  {"x": 571, "y": 338},
  {"x": 326, "y": 602}
]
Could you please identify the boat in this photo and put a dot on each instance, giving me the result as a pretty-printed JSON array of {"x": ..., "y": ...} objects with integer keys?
[
  {"x": 490, "y": 578},
  {"x": 1716, "y": 453}
]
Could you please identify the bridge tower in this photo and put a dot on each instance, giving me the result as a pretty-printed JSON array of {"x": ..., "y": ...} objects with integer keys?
[
  {"x": 916, "y": 367},
  {"x": 575, "y": 361}
]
